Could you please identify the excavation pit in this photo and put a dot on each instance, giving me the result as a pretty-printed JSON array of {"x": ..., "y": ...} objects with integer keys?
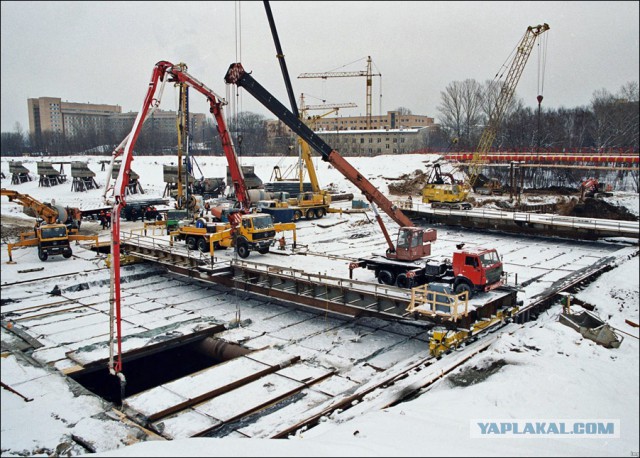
[{"x": 168, "y": 362}]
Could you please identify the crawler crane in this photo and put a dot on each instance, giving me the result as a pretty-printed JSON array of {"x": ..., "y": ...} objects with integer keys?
[{"x": 454, "y": 195}]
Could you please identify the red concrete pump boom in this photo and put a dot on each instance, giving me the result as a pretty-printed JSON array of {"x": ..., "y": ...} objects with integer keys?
[{"x": 173, "y": 73}]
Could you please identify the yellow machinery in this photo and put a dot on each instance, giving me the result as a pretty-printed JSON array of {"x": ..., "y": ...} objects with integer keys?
[
  {"x": 246, "y": 232},
  {"x": 452, "y": 194},
  {"x": 51, "y": 233},
  {"x": 314, "y": 203},
  {"x": 444, "y": 340},
  {"x": 444, "y": 191}
]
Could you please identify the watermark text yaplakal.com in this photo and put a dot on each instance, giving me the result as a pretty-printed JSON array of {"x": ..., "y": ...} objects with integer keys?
[{"x": 510, "y": 428}]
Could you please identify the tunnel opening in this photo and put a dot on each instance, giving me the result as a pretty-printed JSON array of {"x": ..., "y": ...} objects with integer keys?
[{"x": 157, "y": 367}]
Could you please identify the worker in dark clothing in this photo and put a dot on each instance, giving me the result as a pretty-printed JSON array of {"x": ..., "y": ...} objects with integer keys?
[{"x": 103, "y": 219}]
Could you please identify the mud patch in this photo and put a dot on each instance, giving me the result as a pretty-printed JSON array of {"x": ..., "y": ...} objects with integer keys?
[
  {"x": 476, "y": 374},
  {"x": 408, "y": 183},
  {"x": 598, "y": 208}
]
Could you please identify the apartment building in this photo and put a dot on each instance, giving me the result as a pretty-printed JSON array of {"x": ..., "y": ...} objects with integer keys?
[
  {"x": 51, "y": 114},
  {"x": 161, "y": 122},
  {"x": 392, "y": 120}
]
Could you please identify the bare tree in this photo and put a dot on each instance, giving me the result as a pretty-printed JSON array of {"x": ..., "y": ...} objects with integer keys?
[
  {"x": 616, "y": 118},
  {"x": 403, "y": 111},
  {"x": 451, "y": 110}
]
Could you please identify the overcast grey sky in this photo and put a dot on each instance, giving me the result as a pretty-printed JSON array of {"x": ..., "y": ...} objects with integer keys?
[{"x": 104, "y": 52}]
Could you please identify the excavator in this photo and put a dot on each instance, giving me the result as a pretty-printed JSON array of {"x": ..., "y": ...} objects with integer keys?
[
  {"x": 592, "y": 188},
  {"x": 453, "y": 195},
  {"x": 56, "y": 226},
  {"x": 407, "y": 263}
]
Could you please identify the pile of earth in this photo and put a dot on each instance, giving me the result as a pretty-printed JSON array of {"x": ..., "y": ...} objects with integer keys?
[
  {"x": 408, "y": 184},
  {"x": 598, "y": 208}
]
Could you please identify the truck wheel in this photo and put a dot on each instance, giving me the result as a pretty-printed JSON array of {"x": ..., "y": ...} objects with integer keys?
[
  {"x": 310, "y": 214},
  {"x": 191, "y": 242},
  {"x": 297, "y": 215},
  {"x": 386, "y": 277},
  {"x": 319, "y": 212},
  {"x": 42, "y": 255},
  {"x": 203, "y": 245},
  {"x": 243, "y": 249},
  {"x": 463, "y": 286},
  {"x": 67, "y": 254},
  {"x": 404, "y": 282},
  {"x": 263, "y": 250}
]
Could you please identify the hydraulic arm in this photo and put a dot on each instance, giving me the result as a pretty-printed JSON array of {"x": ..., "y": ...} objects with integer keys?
[{"x": 238, "y": 76}]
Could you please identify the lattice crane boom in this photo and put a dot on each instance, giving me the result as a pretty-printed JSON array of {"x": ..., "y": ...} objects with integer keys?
[{"x": 523, "y": 51}]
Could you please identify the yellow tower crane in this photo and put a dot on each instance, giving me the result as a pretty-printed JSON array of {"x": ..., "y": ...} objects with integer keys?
[{"x": 368, "y": 73}]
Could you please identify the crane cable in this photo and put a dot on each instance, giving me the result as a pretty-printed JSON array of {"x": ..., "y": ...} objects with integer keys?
[{"x": 542, "y": 62}]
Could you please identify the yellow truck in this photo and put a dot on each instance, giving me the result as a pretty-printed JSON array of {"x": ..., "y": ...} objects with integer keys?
[{"x": 246, "y": 232}]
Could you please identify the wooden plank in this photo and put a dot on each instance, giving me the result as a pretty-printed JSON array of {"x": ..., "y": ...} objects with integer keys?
[{"x": 185, "y": 424}]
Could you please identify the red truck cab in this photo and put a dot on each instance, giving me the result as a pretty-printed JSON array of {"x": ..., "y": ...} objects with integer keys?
[{"x": 478, "y": 269}]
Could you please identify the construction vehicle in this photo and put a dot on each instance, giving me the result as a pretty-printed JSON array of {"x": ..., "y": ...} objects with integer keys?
[
  {"x": 242, "y": 228},
  {"x": 454, "y": 195},
  {"x": 56, "y": 226},
  {"x": 444, "y": 191},
  {"x": 592, "y": 188},
  {"x": 246, "y": 232},
  {"x": 413, "y": 243},
  {"x": 313, "y": 204}
]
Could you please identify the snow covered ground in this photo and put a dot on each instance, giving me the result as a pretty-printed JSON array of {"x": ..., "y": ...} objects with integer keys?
[{"x": 541, "y": 371}]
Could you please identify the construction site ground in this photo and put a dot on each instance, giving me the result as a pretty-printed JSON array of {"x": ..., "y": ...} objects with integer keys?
[
  {"x": 299, "y": 363},
  {"x": 284, "y": 369}
]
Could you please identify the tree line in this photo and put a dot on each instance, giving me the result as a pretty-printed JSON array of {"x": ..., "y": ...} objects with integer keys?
[{"x": 609, "y": 121}]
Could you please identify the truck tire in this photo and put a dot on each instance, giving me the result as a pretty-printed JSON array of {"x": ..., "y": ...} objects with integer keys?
[
  {"x": 310, "y": 214},
  {"x": 404, "y": 282},
  {"x": 191, "y": 242},
  {"x": 67, "y": 254},
  {"x": 460, "y": 286},
  {"x": 263, "y": 250},
  {"x": 320, "y": 212},
  {"x": 203, "y": 245},
  {"x": 42, "y": 255},
  {"x": 297, "y": 215},
  {"x": 242, "y": 248},
  {"x": 386, "y": 277}
]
